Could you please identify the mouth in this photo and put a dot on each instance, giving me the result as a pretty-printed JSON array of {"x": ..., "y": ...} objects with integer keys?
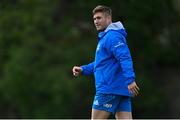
[{"x": 97, "y": 26}]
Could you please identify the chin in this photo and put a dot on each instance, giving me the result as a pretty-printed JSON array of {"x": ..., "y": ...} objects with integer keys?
[{"x": 100, "y": 30}]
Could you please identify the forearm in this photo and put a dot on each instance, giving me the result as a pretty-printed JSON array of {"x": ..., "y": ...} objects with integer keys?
[
  {"x": 122, "y": 54},
  {"x": 88, "y": 69},
  {"x": 127, "y": 69}
]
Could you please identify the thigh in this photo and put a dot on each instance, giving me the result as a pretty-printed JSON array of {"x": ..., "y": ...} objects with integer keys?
[
  {"x": 124, "y": 104},
  {"x": 123, "y": 115},
  {"x": 99, "y": 114},
  {"x": 124, "y": 108},
  {"x": 106, "y": 102}
]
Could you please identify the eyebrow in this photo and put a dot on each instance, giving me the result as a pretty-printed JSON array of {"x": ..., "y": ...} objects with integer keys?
[{"x": 97, "y": 17}]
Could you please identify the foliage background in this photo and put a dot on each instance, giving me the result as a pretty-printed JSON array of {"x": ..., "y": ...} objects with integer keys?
[{"x": 41, "y": 40}]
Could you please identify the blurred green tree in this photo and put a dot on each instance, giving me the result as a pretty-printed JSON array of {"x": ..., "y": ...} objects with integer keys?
[{"x": 41, "y": 40}]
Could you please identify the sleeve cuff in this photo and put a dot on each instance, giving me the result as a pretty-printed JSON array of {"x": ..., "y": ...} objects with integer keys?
[{"x": 129, "y": 81}]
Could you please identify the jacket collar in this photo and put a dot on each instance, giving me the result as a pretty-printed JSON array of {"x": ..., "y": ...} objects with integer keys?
[{"x": 113, "y": 26}]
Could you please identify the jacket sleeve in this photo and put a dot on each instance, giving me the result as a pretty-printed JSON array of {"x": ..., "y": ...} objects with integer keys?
[
  {"x": 88, "y": 69},
  {"x": 118, "y": 47}
]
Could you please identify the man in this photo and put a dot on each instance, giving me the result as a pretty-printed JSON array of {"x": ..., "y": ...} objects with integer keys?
[{"x": 112, "y": 68}]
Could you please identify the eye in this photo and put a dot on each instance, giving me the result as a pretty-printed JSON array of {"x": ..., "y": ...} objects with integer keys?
[{"x": 98, "y": 18}]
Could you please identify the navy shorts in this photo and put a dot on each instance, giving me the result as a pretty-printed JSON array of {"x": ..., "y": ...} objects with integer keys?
[{"x": 112, "y": 103}]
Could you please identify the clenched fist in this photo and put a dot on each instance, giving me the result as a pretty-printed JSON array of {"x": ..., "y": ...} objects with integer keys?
[{"x": 76, "y": 71}]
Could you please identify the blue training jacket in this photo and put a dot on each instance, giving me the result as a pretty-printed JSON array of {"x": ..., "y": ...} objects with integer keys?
[{"x": 112, "y": 67}]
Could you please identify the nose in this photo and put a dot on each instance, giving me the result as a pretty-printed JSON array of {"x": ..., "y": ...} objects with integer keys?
[{"x": 95, "y": 21}]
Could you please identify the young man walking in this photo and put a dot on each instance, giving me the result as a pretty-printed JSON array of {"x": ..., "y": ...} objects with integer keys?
[{"x": 112, "y": 68}]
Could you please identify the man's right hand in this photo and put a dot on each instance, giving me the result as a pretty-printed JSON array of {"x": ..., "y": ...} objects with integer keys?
[{"x": 76, "y": 71}]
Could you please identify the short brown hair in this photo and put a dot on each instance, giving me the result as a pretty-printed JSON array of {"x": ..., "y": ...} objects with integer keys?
[{"x": 102, "y": 8}]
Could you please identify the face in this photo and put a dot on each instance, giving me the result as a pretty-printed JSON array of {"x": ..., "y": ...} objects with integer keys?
[{"x": 101, "y": 21}]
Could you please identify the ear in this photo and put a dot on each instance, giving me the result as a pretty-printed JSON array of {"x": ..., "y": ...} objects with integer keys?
[{"x": 109, "y": 18}]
